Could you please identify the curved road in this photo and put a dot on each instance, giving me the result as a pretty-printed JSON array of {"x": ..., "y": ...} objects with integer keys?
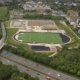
[{"x": 2, "y": 41}]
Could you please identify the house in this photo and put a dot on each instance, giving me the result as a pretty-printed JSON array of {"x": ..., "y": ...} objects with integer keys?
[
  {"x": 73, "y": 17},
  {"x": 72, "y": 13},
  {"x": 31, "y": 5}
]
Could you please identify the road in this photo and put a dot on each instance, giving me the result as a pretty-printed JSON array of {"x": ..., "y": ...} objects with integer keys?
[
  {"x": 24, "y": 68},
  {"x": 34, "y": 69},
  {"x": 3, "y": 36}
]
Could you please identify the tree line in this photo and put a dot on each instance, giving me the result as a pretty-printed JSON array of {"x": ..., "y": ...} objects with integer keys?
[
  {"x": 41, "y": 16},
  {"x": 66, "y": 60}
]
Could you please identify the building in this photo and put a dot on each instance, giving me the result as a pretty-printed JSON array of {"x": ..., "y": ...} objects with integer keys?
[
  {"x": 73, "y": 17},
  {"x": 72, "y": 13},
  {"x": 58, "y": 13},
  {"x": 35, "y": 6}
]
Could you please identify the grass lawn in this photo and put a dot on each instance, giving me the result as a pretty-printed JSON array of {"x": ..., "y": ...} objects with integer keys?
[
  {"x": 11, "y": 41},
  {"x": 40, "y": 37},
  {"x": 3, "y": 13},
  {"x": 10, "y": 33}
]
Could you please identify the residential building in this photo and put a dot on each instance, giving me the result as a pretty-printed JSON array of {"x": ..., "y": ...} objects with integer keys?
[
  {"x": 35, "y": 6},
  {"x": 73, "y": 17}
]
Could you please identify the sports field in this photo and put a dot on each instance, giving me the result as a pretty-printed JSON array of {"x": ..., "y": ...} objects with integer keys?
[{"x": 39, "y": 37}]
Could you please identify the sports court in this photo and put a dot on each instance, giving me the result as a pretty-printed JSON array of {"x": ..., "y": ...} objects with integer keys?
[{"x": 39, "y": 37}]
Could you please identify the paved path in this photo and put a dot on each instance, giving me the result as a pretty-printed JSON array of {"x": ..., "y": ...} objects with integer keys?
[{"x": 37, "y": 67}]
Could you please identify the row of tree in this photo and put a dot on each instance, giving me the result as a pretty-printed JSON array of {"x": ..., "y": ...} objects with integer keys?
[{"x": 41, "y": 16}]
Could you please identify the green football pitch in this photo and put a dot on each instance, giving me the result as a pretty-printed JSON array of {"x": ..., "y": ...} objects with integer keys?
[{"x": 40, "y": 37}]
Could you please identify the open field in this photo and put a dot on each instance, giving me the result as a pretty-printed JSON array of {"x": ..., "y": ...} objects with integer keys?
[
  {"x": 3, "y": 13},
  {"x": 38, "y": 37}
]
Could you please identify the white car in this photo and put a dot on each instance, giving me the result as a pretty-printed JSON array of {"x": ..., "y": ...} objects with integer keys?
[{"x": 58, "y": 75}]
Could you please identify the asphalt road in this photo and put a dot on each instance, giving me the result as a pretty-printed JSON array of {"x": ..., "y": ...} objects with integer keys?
[
  {"x": 3, "y": 37},
  {"x": 35, "y": 68},
  {"x": 24, "y": 69}
]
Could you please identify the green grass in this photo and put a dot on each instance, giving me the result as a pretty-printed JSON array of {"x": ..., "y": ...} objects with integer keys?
[
  {"x": 10, "y": 34},
  {"x": 10, "y": 40},
  {"x": 3, "y": 13},
  {"x": 40, "y": 37}
]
